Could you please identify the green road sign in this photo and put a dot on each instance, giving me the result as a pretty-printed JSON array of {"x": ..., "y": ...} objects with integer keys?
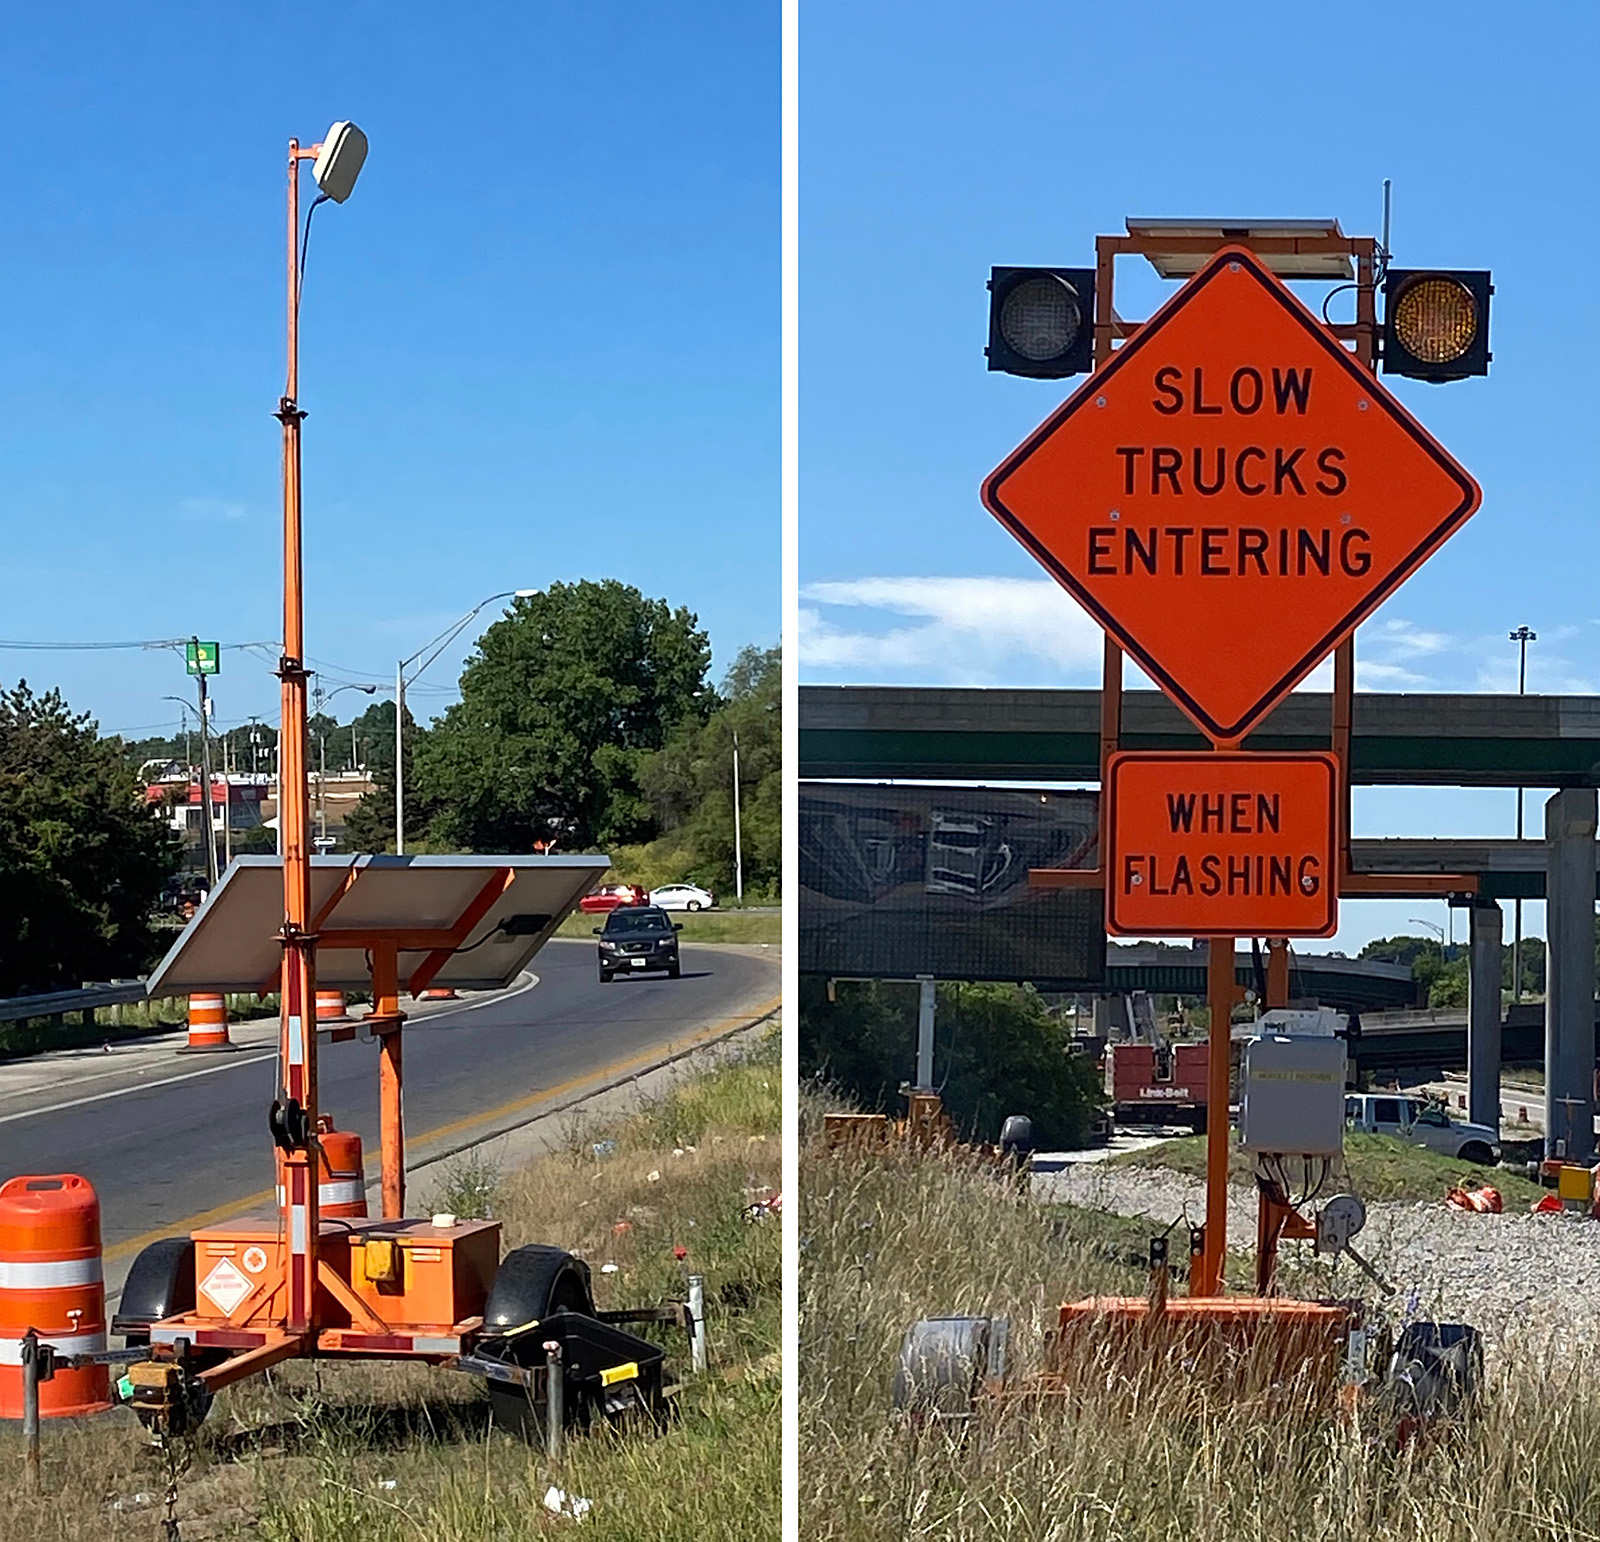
[{"x": 202, "y": 658}]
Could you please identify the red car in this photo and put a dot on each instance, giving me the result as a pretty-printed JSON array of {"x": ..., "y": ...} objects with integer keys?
[{"x": 613, "y": 896}]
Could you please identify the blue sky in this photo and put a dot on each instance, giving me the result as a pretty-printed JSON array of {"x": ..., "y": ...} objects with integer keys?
[
  {"x": 541, "y": 340},
  {"x": 939, "y": 139}
]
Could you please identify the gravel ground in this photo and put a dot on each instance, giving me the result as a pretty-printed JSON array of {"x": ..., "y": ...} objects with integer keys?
[{"x": 1523, "y": 1280}]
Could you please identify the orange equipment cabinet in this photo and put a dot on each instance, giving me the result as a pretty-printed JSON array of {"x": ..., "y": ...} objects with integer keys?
[
  {"x": 404, "y": 1287},
  {"x": 1245, "y": 1342}
]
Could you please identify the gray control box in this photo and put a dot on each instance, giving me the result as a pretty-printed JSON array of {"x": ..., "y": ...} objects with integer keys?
[{"x": 1292, "y": 1096}]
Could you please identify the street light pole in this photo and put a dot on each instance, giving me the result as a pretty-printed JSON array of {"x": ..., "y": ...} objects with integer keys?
[
  {"x": 399, "y": 759},
  {"x": 738, "y": 846},
  {"x": 1521, "y": 637},
  {"x": 438, "y": 644}
]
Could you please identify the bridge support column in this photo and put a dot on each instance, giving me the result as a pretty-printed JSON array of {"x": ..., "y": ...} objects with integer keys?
[
  {"x": 1569, "y": 833},
  {"x": 1483, "y": 1013},
  {"x": 927, "y": 999}
]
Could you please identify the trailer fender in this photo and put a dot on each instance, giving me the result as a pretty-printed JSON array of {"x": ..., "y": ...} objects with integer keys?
[
  {"x": 532, "y": 1283},
  {"x": 160, "y": 1284}
]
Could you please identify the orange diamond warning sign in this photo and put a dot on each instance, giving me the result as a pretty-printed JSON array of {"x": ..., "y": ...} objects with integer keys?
[
  {"x": 1231, "y": 494},
  {"x": 1231, "y": 845}
]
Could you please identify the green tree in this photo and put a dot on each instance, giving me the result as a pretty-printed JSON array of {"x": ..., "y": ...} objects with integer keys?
[
  {"x": 371, "y": 823},
  {"x": 82, "y": 856},
  {"x": 997, "y": 1051},
  {"x": 560, "y": 705},
  {"x": 689, "y": 782}
]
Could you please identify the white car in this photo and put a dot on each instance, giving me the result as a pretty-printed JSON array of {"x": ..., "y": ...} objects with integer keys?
[{"x": 682, "y": 896}]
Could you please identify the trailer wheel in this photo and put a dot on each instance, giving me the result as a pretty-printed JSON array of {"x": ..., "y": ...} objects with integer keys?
[
  {"x": 941, "y": 1362},
  {"x": 1197, "y": 1121}
]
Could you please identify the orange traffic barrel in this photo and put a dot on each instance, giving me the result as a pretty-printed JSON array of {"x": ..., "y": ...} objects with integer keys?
[
  {"x": 341, "y": 1176},
  {"x": 331, "y": 1007},
  {"x": 208, "y": 1025},
  {"x": 51, "y": 1281}
]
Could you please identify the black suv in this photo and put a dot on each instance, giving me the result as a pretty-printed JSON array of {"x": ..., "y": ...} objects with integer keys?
[{"x": 636, "y": 939}]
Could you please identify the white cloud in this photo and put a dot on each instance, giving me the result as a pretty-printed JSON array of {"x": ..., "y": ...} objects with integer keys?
[
  {"x": 967, "y": 629},
  {"x": 1406, "y": 638},
  {"x": 208, "y": 509}
]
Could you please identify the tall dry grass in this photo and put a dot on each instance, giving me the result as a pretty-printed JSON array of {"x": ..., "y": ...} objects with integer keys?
[
  {"x": 1120, "y": 1458},
  {"x": 330, "y": 1452}
]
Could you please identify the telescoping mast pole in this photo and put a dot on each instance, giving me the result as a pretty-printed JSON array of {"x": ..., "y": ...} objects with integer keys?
[{"x": 297, "y": 1057}]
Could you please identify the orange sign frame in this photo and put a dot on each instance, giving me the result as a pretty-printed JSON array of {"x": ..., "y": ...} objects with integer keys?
[
  {"x": 1226, "y": 844},
  {"x": 1230, "y": 494}
]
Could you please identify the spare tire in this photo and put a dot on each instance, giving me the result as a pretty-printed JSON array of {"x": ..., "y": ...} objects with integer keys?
[{"x": 942, "y": 1360}]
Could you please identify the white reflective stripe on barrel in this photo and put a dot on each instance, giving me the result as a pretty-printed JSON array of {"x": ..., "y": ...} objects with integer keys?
[
  {"x": 351, "y": 1193},
  {"x": 50, "y": 1274},
  {"x": 62, "y": 1343}
]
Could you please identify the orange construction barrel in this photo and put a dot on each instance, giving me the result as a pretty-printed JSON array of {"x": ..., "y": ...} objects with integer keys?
[
  {"x": 208, "y": 1025},
  {"x": 51, "y": 1281},
  {"x": 331, "y": 1007},
  {"x": 341, "y": 1177}
]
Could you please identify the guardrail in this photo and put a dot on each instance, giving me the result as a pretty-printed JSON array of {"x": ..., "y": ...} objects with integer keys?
[{"x": 20, "y": 1009}]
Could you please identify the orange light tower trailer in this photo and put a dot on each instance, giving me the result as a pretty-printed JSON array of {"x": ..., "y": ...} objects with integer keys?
[
  {"x": 235, "y": 1299},
  {"x": 219, "y": 1305}
]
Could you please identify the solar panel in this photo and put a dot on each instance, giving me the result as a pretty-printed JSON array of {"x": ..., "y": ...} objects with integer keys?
[{"x": 232, "y": 942}]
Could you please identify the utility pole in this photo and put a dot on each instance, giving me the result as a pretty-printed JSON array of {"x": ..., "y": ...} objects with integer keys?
[
  {"x": 738, "y": 847},
  {"x": 207, "y": 824},
  {"x": 399, "y": 760},
  {"x": 1521, "y": 637}
]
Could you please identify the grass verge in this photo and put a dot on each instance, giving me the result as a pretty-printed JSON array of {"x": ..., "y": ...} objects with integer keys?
[
  {"x": 1143, "y": 1454},
  {"x": 1374, "y": 1166},
  {"x": 698, "y": 926},
  {"x": 324, "y": 1453}
]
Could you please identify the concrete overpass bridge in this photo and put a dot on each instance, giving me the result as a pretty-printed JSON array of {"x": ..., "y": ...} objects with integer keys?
[{"x": 1034, "y": 737}]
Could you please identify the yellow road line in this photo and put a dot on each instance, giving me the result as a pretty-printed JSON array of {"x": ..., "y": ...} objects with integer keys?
[{"x": 375, "y": 1159}]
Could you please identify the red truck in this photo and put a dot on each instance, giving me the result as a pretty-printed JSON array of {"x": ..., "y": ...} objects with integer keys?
[{"x": 1157, "y": 1084}]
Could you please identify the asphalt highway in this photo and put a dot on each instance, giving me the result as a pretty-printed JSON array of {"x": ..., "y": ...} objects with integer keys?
[{"x": 162, "y": 1145}]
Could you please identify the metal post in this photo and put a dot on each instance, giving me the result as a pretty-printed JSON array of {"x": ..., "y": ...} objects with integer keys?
[
  {"x": 926, "y": 1002},
  {"x": 1522, "y": 637},
  {"x": 555, "y": 1399},
  {"x": 388, "y": 1022},
  {"x": 738, "y": 846},
  {"x": 1569, "y": 832},
  {"x": 1486, "y": 925},
  {"x": 399, "y": 760},
  {"x": 30, "y": 1411},
  {"x": 207, "y": 823},
  {"x": 697, "y": 1311},
  {"x": 297, "y": 1030},
  {"x": 1222, "y": 992}
]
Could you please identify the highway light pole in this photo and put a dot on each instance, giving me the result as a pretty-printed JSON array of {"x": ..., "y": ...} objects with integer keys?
[
  {"x": 337, "y": 163},
  {"x": 1521, "y": 637},
  {"x": 738, "y": 846},
  {"x": 438, "y": 645}
]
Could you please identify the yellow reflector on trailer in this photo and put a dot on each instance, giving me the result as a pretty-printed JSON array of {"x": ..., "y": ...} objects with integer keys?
[{"x": 618, "y": 1373}]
